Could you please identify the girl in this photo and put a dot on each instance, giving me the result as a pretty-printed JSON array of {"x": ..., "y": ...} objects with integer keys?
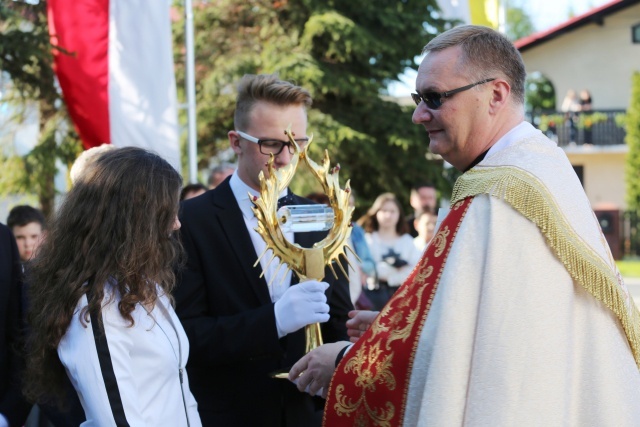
[
  {"x": 391, "y": 247},
  {"x": 101, "y": 311}
]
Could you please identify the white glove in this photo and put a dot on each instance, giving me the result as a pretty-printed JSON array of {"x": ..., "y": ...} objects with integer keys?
[{"x": 301, "y": 305}]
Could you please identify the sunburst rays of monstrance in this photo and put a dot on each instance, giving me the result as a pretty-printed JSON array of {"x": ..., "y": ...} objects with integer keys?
[{"x": 306, "y": 263}]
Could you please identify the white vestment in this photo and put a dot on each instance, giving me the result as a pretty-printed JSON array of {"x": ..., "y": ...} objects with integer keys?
[{"x": 512, "y": 339}]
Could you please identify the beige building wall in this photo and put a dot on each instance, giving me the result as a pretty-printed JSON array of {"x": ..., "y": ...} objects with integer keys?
[
  {"x": 603, "y": 174},
  {"x": 599, "y": 58}
]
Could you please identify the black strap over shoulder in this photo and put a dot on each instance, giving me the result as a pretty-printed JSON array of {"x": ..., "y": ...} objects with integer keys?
[{"x": 106, "y": 366}]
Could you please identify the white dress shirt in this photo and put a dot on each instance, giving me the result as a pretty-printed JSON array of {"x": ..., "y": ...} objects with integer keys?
[{"x": 279, "y": 284}]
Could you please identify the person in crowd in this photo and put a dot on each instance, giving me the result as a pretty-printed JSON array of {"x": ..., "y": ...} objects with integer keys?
[
  {"x": 13, "y": 407},
  {"x": 365, "y": 266},
  {"x": 391, "y": 248},
  {"x": 28, "y": 227},
  {"x": 423, "y": 197},
  {"x": 245, "y": 319},
  {"x": 516, "y": 313},
  {"x": 219, "y": 174},
  {"x": 85, "y": 159},
  {"x": 585, "y": 109},
  {"x": 425, "y": 224},
  {"x": 190, "y": 191},
  {"x": 100, "y": 305},
  {"x": 585, "y": 100},
  {"x": 571, "y": 107}
]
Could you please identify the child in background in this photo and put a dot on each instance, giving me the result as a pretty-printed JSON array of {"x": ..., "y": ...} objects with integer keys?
[
  {"x": 28, "y": 227},
  {"x": 425, "y": 225}
]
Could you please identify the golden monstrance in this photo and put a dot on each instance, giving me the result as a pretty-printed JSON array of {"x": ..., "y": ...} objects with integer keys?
[{"x": 307, "y": 263}]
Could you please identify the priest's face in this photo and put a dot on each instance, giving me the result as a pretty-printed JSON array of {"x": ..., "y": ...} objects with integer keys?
[
  {"x": 267, "y": 122},
  {"x": 456, "y": 124}
]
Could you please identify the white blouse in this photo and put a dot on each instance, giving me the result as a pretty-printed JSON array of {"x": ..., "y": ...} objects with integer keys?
[
  {"x": 137, "y": 375},
  {"x": 402, "y": 247}
]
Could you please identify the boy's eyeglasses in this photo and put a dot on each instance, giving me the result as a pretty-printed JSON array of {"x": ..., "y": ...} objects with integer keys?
[
  {"x": 272, "y": 146},
  {"x": 433, "y": 100}
]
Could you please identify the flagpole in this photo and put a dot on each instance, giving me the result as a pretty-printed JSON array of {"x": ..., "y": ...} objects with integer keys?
[
  {"x": 502, "y": 16},
  {"x": 191, "y": 93}
]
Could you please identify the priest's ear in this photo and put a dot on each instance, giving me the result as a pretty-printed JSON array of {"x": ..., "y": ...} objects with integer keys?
[{"x": 500, "y": 91}]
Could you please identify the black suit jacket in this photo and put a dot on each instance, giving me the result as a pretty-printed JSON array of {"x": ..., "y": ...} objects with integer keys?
[
  {"x": 12, "y": 404},
  {"x": 229, "y": 318}
]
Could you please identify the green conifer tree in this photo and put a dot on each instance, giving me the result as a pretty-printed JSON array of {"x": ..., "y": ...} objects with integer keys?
[{"x": 346, "y": 53}]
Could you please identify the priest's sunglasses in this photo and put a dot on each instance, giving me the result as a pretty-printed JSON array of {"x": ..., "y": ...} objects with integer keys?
[
  {"x": 433, "y": 100},
  {"x": 272, "y": 146}
]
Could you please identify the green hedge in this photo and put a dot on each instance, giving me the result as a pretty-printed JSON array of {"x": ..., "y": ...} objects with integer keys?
[{"x": 632, "y": 169}]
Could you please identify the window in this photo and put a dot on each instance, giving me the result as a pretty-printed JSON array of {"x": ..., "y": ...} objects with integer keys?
[
  {"x": 635, "y": 33},
  {"x": 579, "y": 169}
]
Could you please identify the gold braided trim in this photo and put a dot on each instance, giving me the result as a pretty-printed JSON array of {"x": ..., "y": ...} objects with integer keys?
[{"x": 526, "y": 194}]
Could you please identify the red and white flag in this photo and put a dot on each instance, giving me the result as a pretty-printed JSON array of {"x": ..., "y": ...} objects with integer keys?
[{"x": 114, "y": 62}]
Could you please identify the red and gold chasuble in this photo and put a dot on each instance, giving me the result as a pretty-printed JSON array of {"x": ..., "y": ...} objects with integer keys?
[{"x": 370, "y": 385}]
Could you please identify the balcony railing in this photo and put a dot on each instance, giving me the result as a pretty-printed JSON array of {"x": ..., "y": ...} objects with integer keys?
[{"x": 597, "y": 127}]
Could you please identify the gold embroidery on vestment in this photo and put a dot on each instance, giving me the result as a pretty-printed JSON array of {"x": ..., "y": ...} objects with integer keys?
[
  {"x": 372, "y": 365},
  {"x": 440, "y": 241},
  {"x": 378, "y": 368},
  {"x": 528, "y": 195},
  {"x": 366, "y": 380}
]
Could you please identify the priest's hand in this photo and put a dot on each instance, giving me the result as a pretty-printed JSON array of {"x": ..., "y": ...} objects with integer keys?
[
  {"x": 301, "y": 305},
  {"x": 358, "y": 323},
  {"x": 313, "y": 372}
]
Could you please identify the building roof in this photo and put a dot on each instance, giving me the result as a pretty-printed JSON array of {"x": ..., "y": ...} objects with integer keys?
[{"x": 593, "y": 16}]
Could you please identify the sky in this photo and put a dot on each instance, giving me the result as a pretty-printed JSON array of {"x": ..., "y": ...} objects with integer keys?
[
  {"x": 548, "y": 13},
  {"x": 543, "y": 13}
]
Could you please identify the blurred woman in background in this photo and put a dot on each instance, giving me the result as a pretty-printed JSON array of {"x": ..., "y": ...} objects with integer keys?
[{"x": 391, "y": 247}]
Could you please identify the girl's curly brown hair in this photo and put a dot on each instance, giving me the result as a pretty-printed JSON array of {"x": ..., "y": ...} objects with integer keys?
[{"x": 116, "y": 224}]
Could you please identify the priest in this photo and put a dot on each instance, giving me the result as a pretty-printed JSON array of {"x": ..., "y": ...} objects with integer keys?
[{"x": 516, "y": 314}]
